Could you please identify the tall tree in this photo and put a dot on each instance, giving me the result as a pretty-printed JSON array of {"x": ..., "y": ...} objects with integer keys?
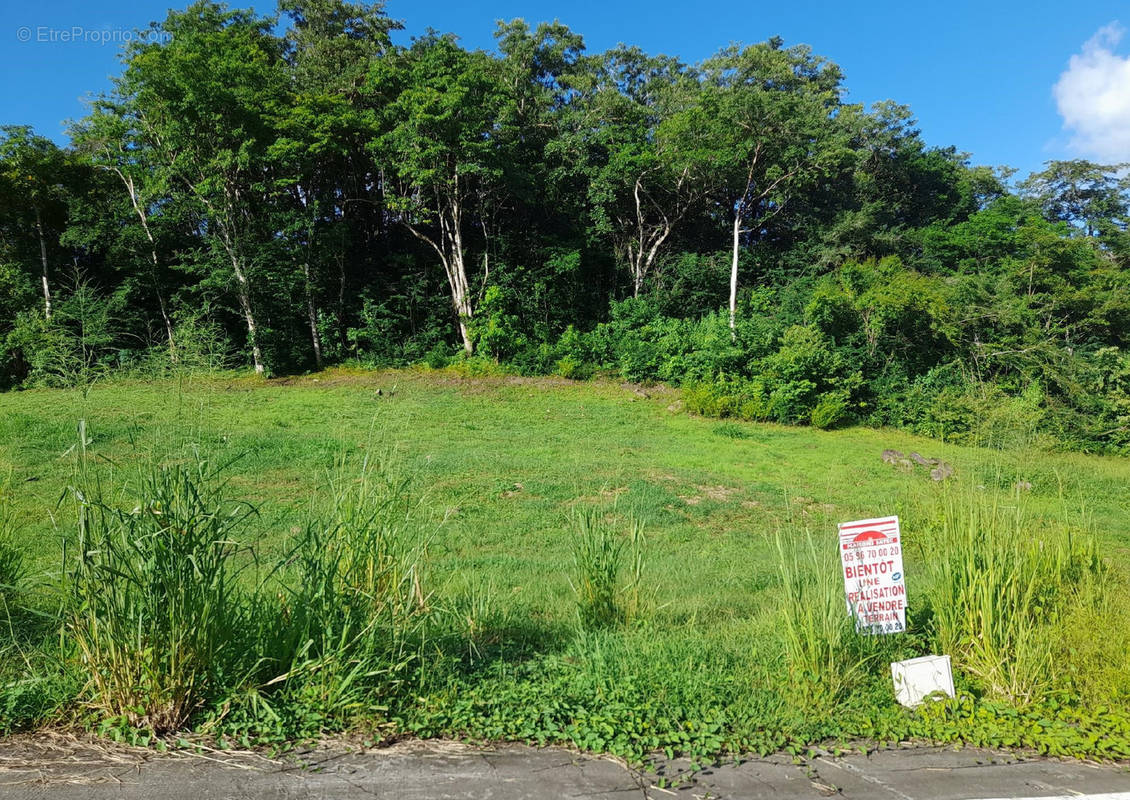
[
  {"x": 1091, "y": 197},
  {"x": 763, "y": 126},
  {"x": 441, "y": 105},
  {"x": 638, "y": 187},
  {"x": 108, "y": 141},
  {"x": 33, "y": 170},
  {"x": 203, "y": 100},
  {"x": 330, "y": 47}
]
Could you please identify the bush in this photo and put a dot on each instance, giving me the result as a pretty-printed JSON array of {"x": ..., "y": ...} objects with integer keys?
[
  {"x": 831, "y": 410},
  {"x": 477, "y": 366},
  {"x": 72, "y": 349},
  {"x": 439, "y": 356},
  {"x": 569, "y": 367}
]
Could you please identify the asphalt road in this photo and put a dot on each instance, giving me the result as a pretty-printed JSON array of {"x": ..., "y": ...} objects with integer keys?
[{"x": 64, "y": 769}]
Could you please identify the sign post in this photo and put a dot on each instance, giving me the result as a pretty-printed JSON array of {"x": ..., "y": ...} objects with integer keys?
[{"x": 871, "y": 554}]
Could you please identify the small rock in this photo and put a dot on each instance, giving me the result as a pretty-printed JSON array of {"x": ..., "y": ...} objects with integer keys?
[
  {"x": 941, "y": 472},
  {"x": 921, "y": 459},
  {"x": 1024, "y": 486},
  {"x": 891, "y": 456}
]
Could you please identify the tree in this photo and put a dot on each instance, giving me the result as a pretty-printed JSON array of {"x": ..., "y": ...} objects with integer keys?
[
  {"x": 440, "y": 138},
  {"x": 761, "y": 125},
  {"x": 638, "y": 190},
  {"x": 1091, "y": 197},
  {"x": 329, "y": 49},
  {"x": 202, "y": 102},
  {"x": 32, "y": 169},
  {"x": 112, "y": 145}
]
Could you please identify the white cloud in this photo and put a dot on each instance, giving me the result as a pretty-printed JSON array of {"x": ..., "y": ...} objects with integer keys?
[{"x": 1093, "y": 96}]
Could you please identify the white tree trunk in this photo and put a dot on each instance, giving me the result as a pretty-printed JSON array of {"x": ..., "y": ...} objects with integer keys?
[
  {"x": 43, "y": 260},
  {"x": 734, "y": 272},
  {"x": 131, "y": 189},
  {"x": 449, "y": 248},
  {"x": 312, "y": 317},
  {"x": 243, "y": 291},
  {"x": 460, "y": 287}
]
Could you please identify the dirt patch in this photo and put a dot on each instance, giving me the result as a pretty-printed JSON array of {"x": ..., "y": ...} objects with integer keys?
[{"x": 720, "y": 494}]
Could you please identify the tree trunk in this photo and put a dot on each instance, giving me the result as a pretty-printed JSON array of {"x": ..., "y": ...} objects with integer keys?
[
  {"x": 243, "y": 290},
  {"x": 43, "y": 260},
  {"x": 131, "y": 189},
  {"x": 168, "y": 322},
  {"x": 312, "y": 316},
  {"x": 734, "y": 273},
  {"x": 252, "y": 330},
  {"x": 460, "y": 291},
  {"x": 449, "y": 248}
]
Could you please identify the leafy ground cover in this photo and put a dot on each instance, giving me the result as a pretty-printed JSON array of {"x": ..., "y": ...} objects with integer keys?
[{"x": 421, "y": 552}]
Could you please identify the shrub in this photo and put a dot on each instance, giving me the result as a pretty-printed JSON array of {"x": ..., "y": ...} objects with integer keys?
[
  {"x": 831, "y": 410},
  {"x": 496, "y": 329},
  {"x": 569, "y": 367},
  {"x": 72, "y": 349},
  {"x": 439, "y": 356},
  {"x": 476, "y": 366}
]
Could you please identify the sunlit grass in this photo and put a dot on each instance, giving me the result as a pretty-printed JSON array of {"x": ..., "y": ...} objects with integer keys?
[{"x": 354, "y": 592}]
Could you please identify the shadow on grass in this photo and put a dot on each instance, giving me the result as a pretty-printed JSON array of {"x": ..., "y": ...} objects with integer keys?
[{"x": 468, "y": 650}]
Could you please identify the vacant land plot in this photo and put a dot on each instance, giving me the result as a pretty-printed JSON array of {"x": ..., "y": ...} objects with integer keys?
[{"x": 726, "y": 631}]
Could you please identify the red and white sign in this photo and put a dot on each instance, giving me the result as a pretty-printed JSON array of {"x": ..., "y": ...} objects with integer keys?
[{"x": 871, "y": 553}]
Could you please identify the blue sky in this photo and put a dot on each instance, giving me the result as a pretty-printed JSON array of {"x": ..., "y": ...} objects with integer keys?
[{"x": 997, "y": 79}]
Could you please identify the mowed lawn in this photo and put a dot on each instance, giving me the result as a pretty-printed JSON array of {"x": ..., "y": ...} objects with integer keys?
[{"x": 502, "y": 462}]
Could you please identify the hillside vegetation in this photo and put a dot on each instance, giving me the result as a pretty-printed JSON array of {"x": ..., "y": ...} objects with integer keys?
[
  {"x": 291, "y": 191},
  {"x": 502, "y": 557}
]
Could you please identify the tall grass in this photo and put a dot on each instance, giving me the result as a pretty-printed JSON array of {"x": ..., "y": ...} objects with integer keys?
[
  {"x": 824, "y": 654},
  {"x": 355, "y": 610},
  {"x": 607, "y": 574},
  {"x": 11, "y": 559},
  {"x": 154, "y": 609},
  {"x": 1000, "y": 581}
]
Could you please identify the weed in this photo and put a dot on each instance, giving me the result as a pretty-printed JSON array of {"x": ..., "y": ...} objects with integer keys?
[
  {"x": 731, "y": 430},
  {"x": 356, "y": 610},
  {"x": 825, "y": 655},
  {"x": 154, "y": 609},
  {"x": 605, "y": 596},
  {"x": 493, "y": 651},
  {"x": 11, "y": 559},
  {"x": 999, "y": 582}
]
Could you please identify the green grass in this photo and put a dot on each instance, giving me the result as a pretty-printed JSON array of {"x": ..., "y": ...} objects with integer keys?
[{"x": 506, "y": 466}]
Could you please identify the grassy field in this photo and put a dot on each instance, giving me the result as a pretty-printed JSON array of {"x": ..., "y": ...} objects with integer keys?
[{"x": 505, "y": 467}]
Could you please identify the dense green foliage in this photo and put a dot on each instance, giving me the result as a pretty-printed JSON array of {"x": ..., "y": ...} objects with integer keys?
[{"x": 295, "y": 190}]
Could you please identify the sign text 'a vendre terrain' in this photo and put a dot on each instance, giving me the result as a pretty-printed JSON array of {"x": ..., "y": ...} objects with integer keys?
[{"x": 871, "y": 554}]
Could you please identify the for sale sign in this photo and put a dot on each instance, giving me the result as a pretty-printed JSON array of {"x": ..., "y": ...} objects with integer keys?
[{"x": 871, "y": 553}]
